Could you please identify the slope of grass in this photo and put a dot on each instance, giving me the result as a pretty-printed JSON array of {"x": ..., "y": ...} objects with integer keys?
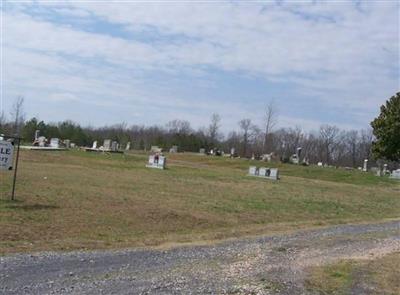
[{"x": 77, "y": 200}]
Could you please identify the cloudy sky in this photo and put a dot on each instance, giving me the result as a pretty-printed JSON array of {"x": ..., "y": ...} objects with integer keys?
[{"x": 106, "y": 62}]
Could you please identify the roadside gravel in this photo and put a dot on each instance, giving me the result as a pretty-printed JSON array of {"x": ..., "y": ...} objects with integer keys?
[{"x": 264, "y": 265}]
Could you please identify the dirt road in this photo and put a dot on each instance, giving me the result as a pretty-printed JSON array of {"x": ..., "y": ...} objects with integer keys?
[{"x": 263, "y": 265}]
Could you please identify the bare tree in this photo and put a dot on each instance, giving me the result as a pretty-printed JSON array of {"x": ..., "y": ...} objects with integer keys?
[
  {"x": 3, "y": 119},
  {"x": 179, "y": 127},
  {"x": 245, "y": 125},
  {"x": 17, "y": 113},
  {"x": 352, "y": 140},
  {"x": 328, "y": 135},
  {"x": 213, "y": 129},
  {"x": 270, "y": 120}
]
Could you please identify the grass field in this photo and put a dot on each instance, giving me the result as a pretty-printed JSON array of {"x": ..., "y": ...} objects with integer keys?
[
  {"x": 76, "y": 200},
  {"x": 379, "y": 276}
]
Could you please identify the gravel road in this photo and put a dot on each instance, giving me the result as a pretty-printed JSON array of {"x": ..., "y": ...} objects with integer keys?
[{"x": 264, "y": 265}]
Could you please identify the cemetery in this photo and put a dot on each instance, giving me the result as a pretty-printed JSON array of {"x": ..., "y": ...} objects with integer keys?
[{"x": 195, "y": 198}]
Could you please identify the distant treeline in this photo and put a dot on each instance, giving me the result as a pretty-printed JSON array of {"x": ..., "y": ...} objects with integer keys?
[{"x": 329, "y": 145}]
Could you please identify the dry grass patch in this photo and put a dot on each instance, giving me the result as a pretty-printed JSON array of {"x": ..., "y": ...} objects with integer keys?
[
  {"x": 378, "y": 276},
  {"x": 77, "y": 200}
]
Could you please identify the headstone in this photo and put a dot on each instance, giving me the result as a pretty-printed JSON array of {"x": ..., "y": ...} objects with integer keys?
[
  {"x": 274, "y": 174},
  {"x": 114, "y": 146},
  {"x": 253, "y": 170},
  {"x": 37, "y": 134},
  {"x": 395, "y": 174},
  {"x": 156, "y": 161},
  {"x": 385, "y": 169},
  {"x": 94, "y": 145},
  {"x": 73, "y": 145},
  {"x": 173, "y": 149},
  {"x": 267, "y": 157},
  {"x": 155, "y": 149},
  {"x": 54, "y": 143},
  {"x": 128, "y": 146},
  {"x": 365, "y": 166},
  {"x": 262, "y": 171},
  {"x": 202, "y": 151},
  {"x": 42, "y": 141},
  {"x": 298, "y": 152},
  {"x": 107, "y": 144},
  {"x": 67, "y": 143},
  {"x": 151, "y": 160},
  {"x": 320, "y": 164},
  {"x": 294, "y": 159},
  {"x": 232, "y": 152}
]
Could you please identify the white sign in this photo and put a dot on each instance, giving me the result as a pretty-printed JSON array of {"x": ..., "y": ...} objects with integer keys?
[{"x": 6, "y": 155}]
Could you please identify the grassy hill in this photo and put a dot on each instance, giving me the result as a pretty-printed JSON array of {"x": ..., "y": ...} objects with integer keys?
[{"x": 77, "y": 200}]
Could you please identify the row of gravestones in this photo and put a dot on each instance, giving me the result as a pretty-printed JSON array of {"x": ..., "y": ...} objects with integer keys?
[
  {"x": 109, "y": 145},
  {"x": 159, "y": 162}
]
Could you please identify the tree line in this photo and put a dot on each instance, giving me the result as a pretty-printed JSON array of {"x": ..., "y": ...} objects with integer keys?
[{"x": 329, "y": 144}]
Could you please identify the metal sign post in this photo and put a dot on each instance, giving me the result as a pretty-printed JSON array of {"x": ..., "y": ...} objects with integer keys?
[{"x": 15, "y": 170}]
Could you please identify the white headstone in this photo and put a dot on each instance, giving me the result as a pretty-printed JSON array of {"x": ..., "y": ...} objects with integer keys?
[
  {"x": 253, "y": 170},
  {"x": 54, "y": 143},
  {"x": 173, "y": 149},
  {"x": 262, "y": 171},
  {"x": 395, "y": 174},
  {"x": 320, "y": 164},
  {"x": 37, "y": 134},
  {"x": 42, "y": 141},
  {"x": 151, "y": 160},
  {"x": 365, "y": 167},
  {"x": 157, "y": 162},
  {"x": 114, "y": 146},
  {"x": 274, "y": 173},
  {"x": 94, "y": 145},
  {"x": 385, "y": 169},
  {"x": 128, "y": 146}
]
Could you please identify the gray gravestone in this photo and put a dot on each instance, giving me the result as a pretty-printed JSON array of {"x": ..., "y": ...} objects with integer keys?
[
  {"x": 114, "y": 146},
  {"x": 395, "y": 174},
  {"x": 107, "y": 144},
  {"x": 67, "y": 143}
]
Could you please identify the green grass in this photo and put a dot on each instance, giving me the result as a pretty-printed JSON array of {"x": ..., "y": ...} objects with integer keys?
[
  {"x": 78, "y": 200},
  {"x": 380, "y": 276}
]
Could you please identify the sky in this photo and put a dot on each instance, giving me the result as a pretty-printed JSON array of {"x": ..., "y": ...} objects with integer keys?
[{"x": 106, "y": 62}]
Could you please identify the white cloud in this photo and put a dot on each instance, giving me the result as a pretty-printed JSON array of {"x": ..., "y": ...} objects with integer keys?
[{"x": 343, "y": 56}]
